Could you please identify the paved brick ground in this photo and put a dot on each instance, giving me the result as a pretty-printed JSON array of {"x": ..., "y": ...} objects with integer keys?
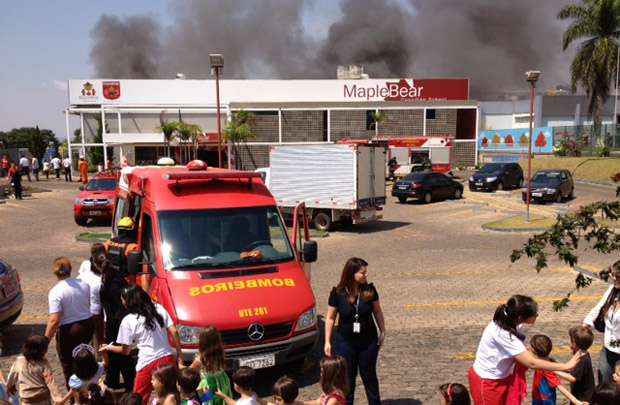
[{"x": 439, "y": 276}]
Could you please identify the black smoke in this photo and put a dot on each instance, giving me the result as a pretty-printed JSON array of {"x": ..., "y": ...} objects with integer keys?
[
  {"x": 492, "y": 42},
  {"x": 126, "y": 49}
]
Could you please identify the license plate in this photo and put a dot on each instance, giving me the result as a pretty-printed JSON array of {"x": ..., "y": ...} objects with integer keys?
[
  {"x": 537, "y": 194},
  {"x": 478, "y": 184},
  {"x": 95, "y": 213},
  {"x": 403, "y": 187},
  {"x": 256, "y": 362}
]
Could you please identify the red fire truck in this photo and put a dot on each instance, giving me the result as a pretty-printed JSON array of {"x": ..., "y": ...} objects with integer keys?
[{"x": 214, "y": 250}]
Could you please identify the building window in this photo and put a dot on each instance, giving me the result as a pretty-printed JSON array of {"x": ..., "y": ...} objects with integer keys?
[
  {"x": 370, "y": 120},
  {"x": 431, "y": 113}
]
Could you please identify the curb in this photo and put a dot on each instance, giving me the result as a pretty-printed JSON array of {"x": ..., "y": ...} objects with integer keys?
[
  {"x": 597, "y": 183},
  {"x": 513, "y": 230}
]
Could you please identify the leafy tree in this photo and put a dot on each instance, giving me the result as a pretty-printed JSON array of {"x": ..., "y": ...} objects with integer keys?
[
  {"x": 35, "y": 139},
  {"x": 95, "y": 154},
  {"x": 237, "y": 131},
  {"x": 568, "y": 234},
  {"x": 596, "y": 23},
  {"x": 169, "y": 129}
]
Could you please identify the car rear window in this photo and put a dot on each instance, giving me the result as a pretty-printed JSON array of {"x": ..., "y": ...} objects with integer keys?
[
  {"x": 101, "y": 185},
  {"x": 416, "y": 176}
]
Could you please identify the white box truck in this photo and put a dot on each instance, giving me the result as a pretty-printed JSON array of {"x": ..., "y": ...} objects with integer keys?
[{"x": 337, "y": 182}]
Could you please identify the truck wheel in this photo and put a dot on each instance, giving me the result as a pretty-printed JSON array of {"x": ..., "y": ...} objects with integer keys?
[
  {"x": 428, "y": 197},
  {"x": 322, "y": 221},
  {"x": 81, "y": 221},
  {"x": 402, "y": 199}
]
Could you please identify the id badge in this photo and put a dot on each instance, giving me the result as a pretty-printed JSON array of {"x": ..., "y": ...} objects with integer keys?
[{"x": 357, "y": 327}]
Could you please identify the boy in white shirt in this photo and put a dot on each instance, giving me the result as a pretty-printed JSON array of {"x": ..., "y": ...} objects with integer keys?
[{"x": 243, "y": 382}]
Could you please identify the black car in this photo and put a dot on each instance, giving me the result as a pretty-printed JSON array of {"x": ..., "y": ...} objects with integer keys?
[
  {"x": 551, "y": 185},
  {"x": 496, "y": 176},
  {"x": 427, "y": 186}
]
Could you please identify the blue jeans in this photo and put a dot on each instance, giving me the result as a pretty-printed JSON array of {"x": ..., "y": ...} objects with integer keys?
[
  {"x": 606, "y": 363},
  {"x": 363, "y": 358}
]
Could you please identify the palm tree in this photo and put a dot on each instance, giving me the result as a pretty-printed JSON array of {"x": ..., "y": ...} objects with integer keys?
[
  {"x": 239, "y": 130},
  {"x": 597, "y": 24},
  {"x": 168, "y": 128}
]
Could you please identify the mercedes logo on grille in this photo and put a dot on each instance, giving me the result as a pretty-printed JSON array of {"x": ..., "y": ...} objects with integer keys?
[{"x": 256, "y": 332}]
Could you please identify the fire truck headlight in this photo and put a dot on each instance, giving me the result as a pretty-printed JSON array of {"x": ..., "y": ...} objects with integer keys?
[
  {"x": 189, "y": 334},
  {"x": 306, "y": 320}
]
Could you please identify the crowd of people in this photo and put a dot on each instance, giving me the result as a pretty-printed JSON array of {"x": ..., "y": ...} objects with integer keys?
[
  {"x": 31, "y": 167},
  {"x": 128, "y": 350}
]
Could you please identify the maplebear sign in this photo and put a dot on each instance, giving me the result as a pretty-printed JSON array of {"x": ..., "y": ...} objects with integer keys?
[{"x": 408, "y": 90}]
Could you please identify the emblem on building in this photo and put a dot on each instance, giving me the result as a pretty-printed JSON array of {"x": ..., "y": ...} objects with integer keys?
[
  {"x": 112, "y": 90},
  {"x": 88, "y": 90}
]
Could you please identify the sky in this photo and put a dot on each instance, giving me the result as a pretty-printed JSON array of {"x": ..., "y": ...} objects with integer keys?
[{"x": 44, "y": 43}]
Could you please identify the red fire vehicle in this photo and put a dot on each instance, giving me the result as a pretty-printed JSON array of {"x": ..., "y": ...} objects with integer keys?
[
  {"x": 96, "y": 200},
  {"x": 214, "y": 250}
]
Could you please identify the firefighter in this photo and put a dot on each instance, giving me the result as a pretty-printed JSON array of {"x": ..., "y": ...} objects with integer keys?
[{"x": 118, "y": 247}]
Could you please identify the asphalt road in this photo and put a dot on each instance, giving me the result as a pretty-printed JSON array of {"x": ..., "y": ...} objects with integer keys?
[{"x": 438, "y": 274}]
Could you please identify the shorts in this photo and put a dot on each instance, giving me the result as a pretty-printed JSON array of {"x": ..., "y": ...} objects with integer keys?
[{"x": 142, "y": 386}]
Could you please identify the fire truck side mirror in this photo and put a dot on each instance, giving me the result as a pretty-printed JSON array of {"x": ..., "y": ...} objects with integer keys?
[
  {"x": 134, "y": 265},
  {"x": 310, "y": 252}
]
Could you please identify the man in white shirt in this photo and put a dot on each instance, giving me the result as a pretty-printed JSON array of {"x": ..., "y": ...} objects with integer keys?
[
  {"x": 24, "y": 165},
  {"x": 56, "y": 166},
  {"x": 66, "y": 164},
  {"x": 90, "y": 273},
  {"x": 34, "y": 164}
]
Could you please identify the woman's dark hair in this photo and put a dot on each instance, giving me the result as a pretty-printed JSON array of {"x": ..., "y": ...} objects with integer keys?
[
  {"x": 287, "y": 389},
  {"x": 615, "y": 292},
  {"x": 347, "y": 282},
  {"x": 35, "y": 348},
  {"x": 85, "y": 364},
  {"x": 211, "y": 350},
  {"x": 167, "y": 376},
  {"x": 138, "y": 302},
  {"x": 334, "y": 374},
  {"x": 518, "y": 308},
  {"x": 606, "y": 394},
  {"x": 455, "y": 394}
]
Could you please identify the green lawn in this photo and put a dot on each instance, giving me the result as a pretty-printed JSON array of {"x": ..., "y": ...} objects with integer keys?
[
  {"x": 583, "y": 168},
  {"x": 518, "y": 223}
]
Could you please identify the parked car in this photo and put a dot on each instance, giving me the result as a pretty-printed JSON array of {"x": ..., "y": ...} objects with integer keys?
[
  {"x": 427, "y": 186},
  {"x": 496, "y": 176},
  {"x": 551, "y": 185},
  {"x": 96, "y": 200},
  {"x": 11, "y": 295}
]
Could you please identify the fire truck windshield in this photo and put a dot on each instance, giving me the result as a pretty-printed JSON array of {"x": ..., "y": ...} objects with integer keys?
[{"x": 206, "y": 239}]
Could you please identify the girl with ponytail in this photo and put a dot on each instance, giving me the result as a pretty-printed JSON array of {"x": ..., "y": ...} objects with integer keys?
[{"x": 501, "y": 346}]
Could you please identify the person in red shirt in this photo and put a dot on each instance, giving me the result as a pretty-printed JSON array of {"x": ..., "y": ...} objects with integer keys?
[
  {"x": 4, "y": 166},
  {"x": 15, "y": 180},
  {"x": 546, "y": 382}
]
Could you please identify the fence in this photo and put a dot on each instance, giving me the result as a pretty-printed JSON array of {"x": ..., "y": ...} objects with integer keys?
[{"x": 584, "y": 136}]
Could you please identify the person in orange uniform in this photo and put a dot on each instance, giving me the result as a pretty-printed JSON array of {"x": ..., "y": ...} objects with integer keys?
[
  {"x": 119, "y": 247},
  {"x": 83, "y": 167}
]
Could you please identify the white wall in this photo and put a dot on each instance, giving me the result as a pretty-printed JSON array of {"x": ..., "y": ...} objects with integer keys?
[{"x": 497, "y": 121}]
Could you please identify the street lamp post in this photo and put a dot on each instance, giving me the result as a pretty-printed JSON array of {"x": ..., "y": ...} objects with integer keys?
[
  {"x": 216, "y": 61},
  {"x": 532, "y": 78}
]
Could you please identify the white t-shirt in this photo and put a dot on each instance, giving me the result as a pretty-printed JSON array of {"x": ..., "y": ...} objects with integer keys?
[
  {"x": 56, "y": 163},
  {"x": 35, "y": 163},
  {"x": 495, "y": 358},
  {"x": 71, "y": 297},
  {"x": 247, "y": 401},
  {"x": 66, "y": 162},
  {"x": 24, "y": 162},
  {"x": 94, "y": 282},
  {"x": 152, "y": 344}
]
